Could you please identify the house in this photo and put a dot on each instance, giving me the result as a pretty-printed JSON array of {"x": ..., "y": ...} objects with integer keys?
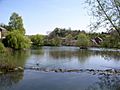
[
  {"x": 97, "y": 41},
  {"x": 3, "y": 32}
]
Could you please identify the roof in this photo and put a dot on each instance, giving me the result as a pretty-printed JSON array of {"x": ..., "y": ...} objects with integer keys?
[{"x": 3, "y": 29}]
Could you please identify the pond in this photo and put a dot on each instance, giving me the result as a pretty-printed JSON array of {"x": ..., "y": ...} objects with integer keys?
[{"x": 65, "y": 58}]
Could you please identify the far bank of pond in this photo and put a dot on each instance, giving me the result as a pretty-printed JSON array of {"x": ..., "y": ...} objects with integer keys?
[{"x": 92, "y": 69}]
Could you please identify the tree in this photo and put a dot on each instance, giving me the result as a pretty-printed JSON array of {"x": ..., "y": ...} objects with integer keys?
[
  {"x": 111, "y": 42},
  {"x": 2, "y": 48},
  {"x": 83, "y": 41},
  {"x": 16, "y": 40},
  {"x": 106, "y": 12},
  {"x": 37, "y": 40},
  {"x": 56, "y": 41},
  {"x": 69, "y": 37},
  {"x": 16, "y": 23}
]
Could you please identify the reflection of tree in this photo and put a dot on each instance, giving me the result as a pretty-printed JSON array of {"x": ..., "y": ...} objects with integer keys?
[
  {"x": 14, "y": 59},
  {"x": 11, "y": 60},
  {"x": 108, "y": 54},
  {"x": 61, "y": 54},
  {"x": 8, "y": 80},
  {"x": 82, "y": 55},
  {"x": 37, "y": 51},
  {"x": 106, "y": 82},
  {"x": 111, "y": 55}
]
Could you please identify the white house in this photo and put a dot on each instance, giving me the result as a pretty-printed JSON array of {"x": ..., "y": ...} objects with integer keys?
[{"x": 2, "y": 32}]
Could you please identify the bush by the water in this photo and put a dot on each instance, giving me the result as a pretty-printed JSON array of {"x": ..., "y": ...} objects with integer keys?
[
  {"x": 2, "y": 48},
  {"x": 37, "y": 40},
  {"x": 83, "y": 40},
  {"x": 16, "y": 40}
]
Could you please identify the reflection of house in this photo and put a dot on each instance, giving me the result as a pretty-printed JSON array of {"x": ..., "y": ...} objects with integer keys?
[
  {"x": 2, "y": 32},
  {"x": 97, "y": 41}
]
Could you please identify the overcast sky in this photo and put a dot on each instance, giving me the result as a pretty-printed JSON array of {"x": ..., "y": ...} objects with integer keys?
[{"x": 42, "y": 16}]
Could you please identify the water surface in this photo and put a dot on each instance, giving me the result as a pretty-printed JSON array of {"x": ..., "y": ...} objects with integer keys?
[
  {"x": 64, "y": 58},
  {"x": 74, "y": 58}
]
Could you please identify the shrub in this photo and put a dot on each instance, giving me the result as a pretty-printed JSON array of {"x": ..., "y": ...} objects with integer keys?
[
  {"x": 2, "y": 48},
  {"x": 16, "y": 40},
  {"x": 83, "y": 40},
  {"x": 37, "y": 40},
  {"x": 56, "y": 41}
]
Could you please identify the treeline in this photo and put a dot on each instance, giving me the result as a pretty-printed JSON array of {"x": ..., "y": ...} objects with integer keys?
[
  {"x": 16, "y": 39},
  {"x": 60, "y": 37},
  {"x": 79, "y": 38}
]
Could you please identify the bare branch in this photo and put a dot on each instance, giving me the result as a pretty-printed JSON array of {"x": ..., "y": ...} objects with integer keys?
[{"x": 108, "y": 17}]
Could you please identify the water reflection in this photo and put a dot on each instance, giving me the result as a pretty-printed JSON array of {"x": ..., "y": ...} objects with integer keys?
[
  {"x": 37, "y": 51},
  {"x": 73, "y": 57},
  {"x": 52, "y": 54},
  {"x": 15, "y": 58},
  {"x": 12, "y": 59},
  {"x": 63, "y": 53},
  {"x": 10, "y": 79},
  {"x": 109, "y": 55},
  {"x": 61, "y": 57},
  {"x": 82, "y": 55},
  {"x": 106, "y": 82}
]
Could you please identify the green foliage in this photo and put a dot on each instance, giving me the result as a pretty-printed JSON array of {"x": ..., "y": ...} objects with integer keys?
[
  {"x": 111, "y": 42},
  {"x": 69, "y": 37},
  {"x": 37, "y": 40},
  {"x": 16, "y": 40},
  {"x": 16, "y": 23},
  {"x": 68, "y": 40},
  {"x": 56, "y": 41},
  {"x": 2, "y": 48},
  {"x": 83, "y": 40},
  {"x": 59, "y": 32}
]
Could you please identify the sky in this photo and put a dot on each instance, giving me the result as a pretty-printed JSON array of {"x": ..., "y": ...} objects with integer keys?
[{"x": 43, "y": 16}]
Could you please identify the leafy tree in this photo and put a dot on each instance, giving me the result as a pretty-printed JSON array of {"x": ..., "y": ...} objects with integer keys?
[
  {"x": 83, "y": 41},
  {"x": 111, "y": 42},
  {"x": 56, "y": 41},
  {"x": 54, "y": 33},
  {"x": 106, "y": 12},
  {"x": 69, "y": 37},
  {"x": 37, "y": 40},
  {"x": 16, "y": 40},
  {"x": 16, "y": 23},
  {"x": 59, "y": 32},
  {"x": 2, "y": 48}
]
